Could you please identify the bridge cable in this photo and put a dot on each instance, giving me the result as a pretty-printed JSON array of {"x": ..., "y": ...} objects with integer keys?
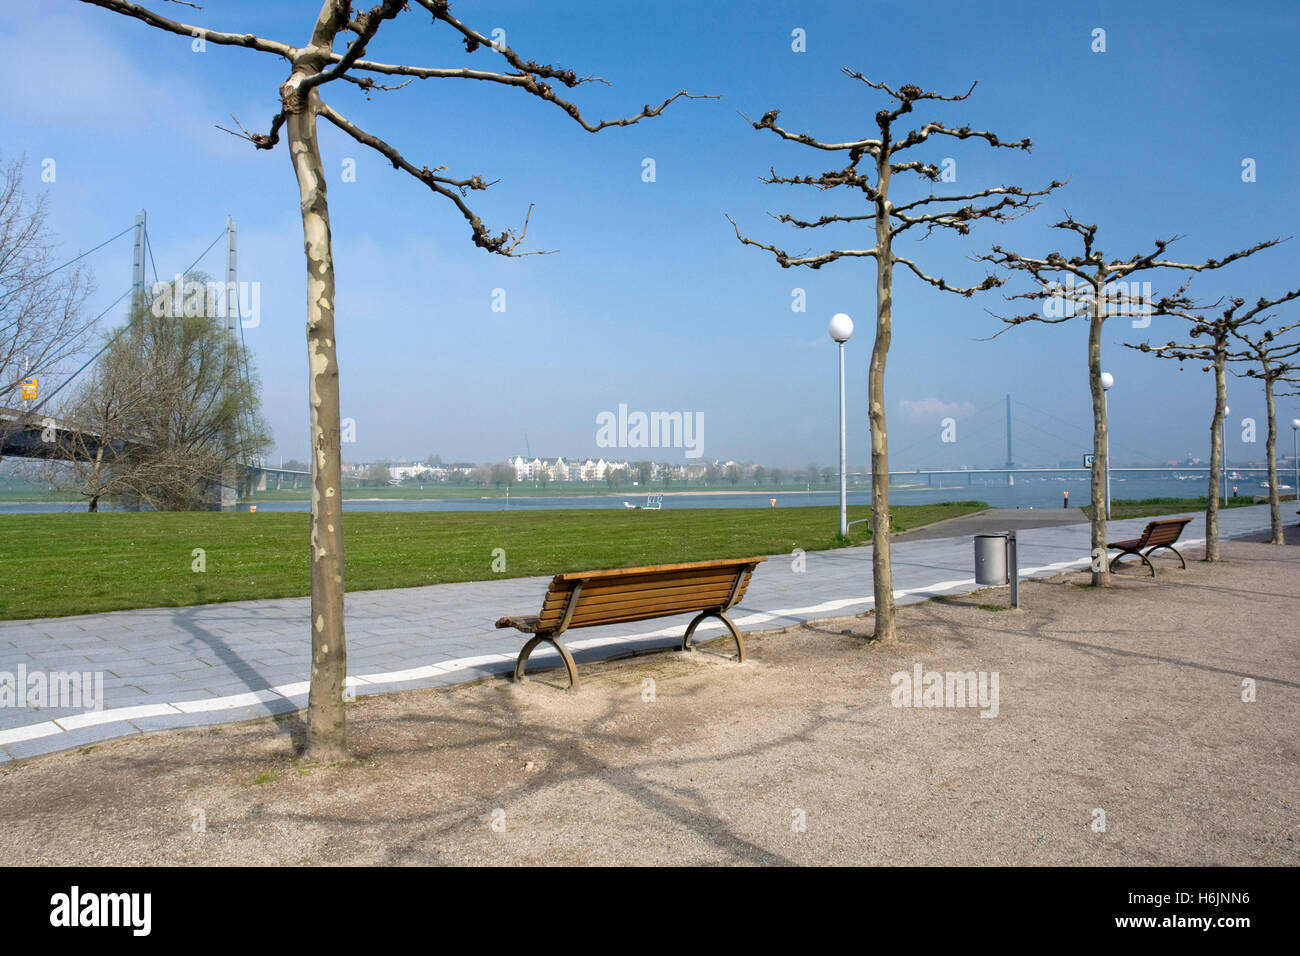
[
  {"x": 69, "y": 262},
  {"x": 113, "y": 339}
]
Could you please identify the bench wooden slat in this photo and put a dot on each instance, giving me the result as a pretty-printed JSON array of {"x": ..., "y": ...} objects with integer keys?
[
  {"x": 586, "y": 615},
  {"x": 595, "y": 595},
  {"x": 654, "y": 568},
  {"x": 645, "y": 581},
  {"x": 615, "y": 604},
  {"x": 605, "y": 605}
]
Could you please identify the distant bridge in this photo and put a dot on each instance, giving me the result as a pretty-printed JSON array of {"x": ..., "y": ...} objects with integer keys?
[{"x": 30, "y": 435}]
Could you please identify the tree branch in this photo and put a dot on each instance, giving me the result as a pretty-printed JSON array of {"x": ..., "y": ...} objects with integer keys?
[
  {"x": 785, "y": 260},
  {"x": 186, "y": 30},
  {"x": 504, "y": 244}
]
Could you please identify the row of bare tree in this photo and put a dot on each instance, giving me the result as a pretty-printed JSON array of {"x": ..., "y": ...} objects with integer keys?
[
  {"x": 1099, "y": 286},
  {"x": 869, "y": 165}
]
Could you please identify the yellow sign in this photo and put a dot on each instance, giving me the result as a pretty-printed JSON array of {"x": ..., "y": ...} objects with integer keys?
[{"x": 29, "y": 389}]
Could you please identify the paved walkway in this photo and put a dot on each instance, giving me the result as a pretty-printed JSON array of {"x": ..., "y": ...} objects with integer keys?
[{"x": 176, "y": 667}]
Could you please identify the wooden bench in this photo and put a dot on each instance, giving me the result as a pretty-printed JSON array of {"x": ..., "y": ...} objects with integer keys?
[
  {"x": 1155, "y": 536},
  {"x": 592, "y": 598}
]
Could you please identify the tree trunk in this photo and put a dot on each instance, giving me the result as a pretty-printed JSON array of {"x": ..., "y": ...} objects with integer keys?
[
  {"x": 326, "y": 715},
  {"x": 1274, "y": 496},
  {"x": 1216, "y": 456},
  {"x": 94, "y": 479},
  {"x": 882, "y": 572},
  {"x": 1100, "y": 435}
]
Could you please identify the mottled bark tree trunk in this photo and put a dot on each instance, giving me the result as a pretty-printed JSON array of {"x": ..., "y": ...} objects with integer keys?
[
  {"x": 1278, "y": 536},
  {"x": 881, "y": 570},
  {"x": 1216, "y": 457},
  {"x": 1100, "y": 435},
  {"x": 326, "y": 715}
]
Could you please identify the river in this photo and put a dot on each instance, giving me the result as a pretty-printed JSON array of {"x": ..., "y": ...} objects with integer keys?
[{"x": 1039, "y": 490}]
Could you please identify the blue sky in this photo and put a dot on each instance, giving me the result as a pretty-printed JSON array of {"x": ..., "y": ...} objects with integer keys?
[{"x": 649, "y": 300}]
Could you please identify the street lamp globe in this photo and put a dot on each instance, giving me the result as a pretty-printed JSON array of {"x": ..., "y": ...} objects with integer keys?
[
  {"x": 841, "y": 327},
  {"x": 1107, "y": 380},
  {"x": 1295, "y": 423}
]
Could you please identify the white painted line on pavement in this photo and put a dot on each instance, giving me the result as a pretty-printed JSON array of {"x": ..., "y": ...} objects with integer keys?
[{"x": 94, "y": 717}]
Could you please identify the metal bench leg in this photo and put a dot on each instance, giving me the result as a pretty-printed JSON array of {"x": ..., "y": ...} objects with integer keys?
[
  {"x": 1115, "y": 560},
  {"x": 555, "y": 642},
  {"x": 735, "y": 634},
  {"x": 1148, "y": 563},
  {"x": 1165, "y": 547}
]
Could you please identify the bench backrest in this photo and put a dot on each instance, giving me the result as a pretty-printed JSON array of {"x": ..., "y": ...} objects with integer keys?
[
  {"x": 1158, "y": 534},
  {"x": 635, "y": 594}
]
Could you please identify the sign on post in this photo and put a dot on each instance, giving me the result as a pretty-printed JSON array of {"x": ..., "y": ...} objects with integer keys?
[
  {"x": 29, "y": 389},
  {"x": 1087, "y": 460}
]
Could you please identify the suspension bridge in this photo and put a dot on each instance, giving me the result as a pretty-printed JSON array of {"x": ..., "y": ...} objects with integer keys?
[{"x": 35, "y": 431}]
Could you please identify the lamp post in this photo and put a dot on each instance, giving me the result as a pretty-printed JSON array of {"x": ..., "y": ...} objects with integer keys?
[
  {"x": 840, "y": 329},
  {"x": 1107, "y": 380},
  {"x": 1295, "y": 459}
]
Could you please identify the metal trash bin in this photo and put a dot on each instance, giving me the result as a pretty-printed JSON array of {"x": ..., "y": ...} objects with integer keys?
[{"x": 991, "y": 559}]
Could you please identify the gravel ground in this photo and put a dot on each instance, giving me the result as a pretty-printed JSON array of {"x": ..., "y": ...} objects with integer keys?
[{"x": 1127, "y": 702}]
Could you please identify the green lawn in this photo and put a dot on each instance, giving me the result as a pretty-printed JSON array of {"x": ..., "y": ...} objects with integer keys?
[
  {"x": 1123, "y": 508},
  {"x": 59, "y": 564}
]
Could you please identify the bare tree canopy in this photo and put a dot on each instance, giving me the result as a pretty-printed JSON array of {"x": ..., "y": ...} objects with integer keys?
[
  {"x": 42, "y": 313},
  {"x": 311, "y": 68},
  {"x": 882, "y": 155},
  {"x": 1261, "y": 347},
  {"x": 1106, "y": 287}
]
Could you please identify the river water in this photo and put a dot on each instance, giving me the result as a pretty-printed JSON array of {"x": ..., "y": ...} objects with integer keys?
[{"x": 1040, "y": 490}]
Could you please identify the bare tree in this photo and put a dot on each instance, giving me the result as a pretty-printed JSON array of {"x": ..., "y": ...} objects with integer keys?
[
  {"x": 170, "y": 406},
  {"x": 955, "y": 211},
  {"x": 41, "y": 305},
  {"x": 1105, "y": 287},
  {"x": 312, "y": 67},
  {"x": 1219, "y": 331},
  {"x": 1273, "y": 366}
]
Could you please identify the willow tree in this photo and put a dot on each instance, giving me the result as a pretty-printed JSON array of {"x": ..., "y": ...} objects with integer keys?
[
  {"x": 312, "y": 67},
  {"x": 1218, "y": 332},
  {"x": 871, "y": 165},
  {"x": 1090, "y": 284}
]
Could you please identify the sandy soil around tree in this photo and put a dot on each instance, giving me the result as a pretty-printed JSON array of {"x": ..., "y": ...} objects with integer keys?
[{"x": 1127, "y": 702}]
